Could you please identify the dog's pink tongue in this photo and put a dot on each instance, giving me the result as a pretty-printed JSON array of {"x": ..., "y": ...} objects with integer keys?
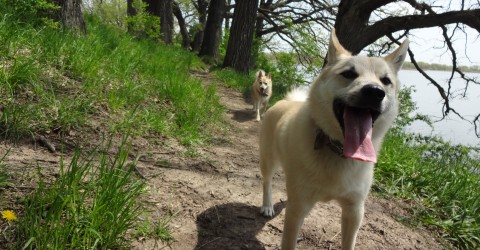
[{"x": 358, "y": 135}]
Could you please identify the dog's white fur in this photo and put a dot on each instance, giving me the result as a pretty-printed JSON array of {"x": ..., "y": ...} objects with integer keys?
[
  {"x": 261, "y": 92},
  {"x": 288, "y": 133}
]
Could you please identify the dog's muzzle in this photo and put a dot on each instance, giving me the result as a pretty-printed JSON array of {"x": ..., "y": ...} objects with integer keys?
[
  {"x": 264, "y": 91},
  {"x": 369, "y": 97}
]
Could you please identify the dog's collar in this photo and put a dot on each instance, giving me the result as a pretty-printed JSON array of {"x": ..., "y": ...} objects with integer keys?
[{"x": 322, "y": 139}]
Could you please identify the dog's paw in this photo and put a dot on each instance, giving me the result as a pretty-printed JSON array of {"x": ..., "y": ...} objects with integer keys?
[{"x": 267, "y": 211}]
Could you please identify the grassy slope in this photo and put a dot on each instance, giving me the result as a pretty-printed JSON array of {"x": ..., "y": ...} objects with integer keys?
[{"x": 59, "y": 80}]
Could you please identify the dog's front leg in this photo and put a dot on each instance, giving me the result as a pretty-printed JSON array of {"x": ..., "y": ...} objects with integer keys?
[
  {"x": 264, "y": 108},
  {"x": 294, "y": 216},
  {"x": 352, "y": 214},
  {"x": 257, "y": 108}
]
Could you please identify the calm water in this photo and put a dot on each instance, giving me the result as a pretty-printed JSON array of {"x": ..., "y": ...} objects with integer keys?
[{"x": 429, "y": 103}]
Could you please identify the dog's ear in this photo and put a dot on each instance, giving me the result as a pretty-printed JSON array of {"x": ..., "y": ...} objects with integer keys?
[
  {"x": 269, "y": 75},
  {"x": 335, "y": 50},
  {"x": 398, "y": 56},
  {"x": 260, "y": 74}
]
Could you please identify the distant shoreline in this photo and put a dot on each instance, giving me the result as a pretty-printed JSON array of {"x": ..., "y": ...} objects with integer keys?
[{"x": 441, "y": 67}]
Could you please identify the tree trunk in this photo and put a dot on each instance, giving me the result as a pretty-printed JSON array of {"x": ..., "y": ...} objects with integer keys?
[
  {"x": 351, "y": 20},
  {"x": 166, "y": 21},
  {"x": 239, "y": 49},
  {"x": 183, "y": 27},
  {"x": 213, "y": 29},
  {"x": 202, "y": 19},
  {"x": 71, "y": 15}
]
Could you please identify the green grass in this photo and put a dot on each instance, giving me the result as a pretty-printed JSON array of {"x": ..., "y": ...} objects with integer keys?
[
  {"x": 4, "y": 177},
  {"x": 232, "y": 79},
  {"x": 157, "y": 230},
  {"x": 440, "y": 178},
  {"x": 91, "y": 205},
  {"x": 56, "y": 81}
]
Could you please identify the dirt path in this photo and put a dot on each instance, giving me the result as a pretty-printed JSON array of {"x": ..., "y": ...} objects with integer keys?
[{"x": 215, "y": 196}]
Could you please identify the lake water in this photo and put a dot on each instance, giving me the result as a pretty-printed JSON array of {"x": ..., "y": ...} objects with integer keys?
[{"x": 429, "y": 102}]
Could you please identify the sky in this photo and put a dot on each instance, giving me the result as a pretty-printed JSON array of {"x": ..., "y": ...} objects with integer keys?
[{"x": 427, "y": 44}]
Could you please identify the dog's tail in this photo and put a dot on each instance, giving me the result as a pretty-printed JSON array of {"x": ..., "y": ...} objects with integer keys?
[{"x": 297, "y": 95}]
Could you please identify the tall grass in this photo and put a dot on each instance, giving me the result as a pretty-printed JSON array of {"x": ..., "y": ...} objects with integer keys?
[
  {"x": 232, "y": 79},
  {"x": 56, "y": 81},
  {"x": 442, "y": 180},
  {"x": 91, "y": 205},
  {"x": 4, "y": 177}
]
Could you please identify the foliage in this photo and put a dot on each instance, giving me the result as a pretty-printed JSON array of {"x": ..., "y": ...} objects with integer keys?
[
  {"x": 111, "y": 11},
  {"x": 285, "y": 72},
  {"x": 222, "y": 48},
  {"x": 143, "y": 24},
  {"x": 307, "y": 49},
  {"x": 440, "y": 178},
  {"x": 36, "y": 12},
  {"x": 91, "y": 205}
]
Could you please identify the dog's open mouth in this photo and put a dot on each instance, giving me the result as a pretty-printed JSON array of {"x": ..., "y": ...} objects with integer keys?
[
  {"x": 264, "y": 92},
  {"x": 357, "y": 126}
]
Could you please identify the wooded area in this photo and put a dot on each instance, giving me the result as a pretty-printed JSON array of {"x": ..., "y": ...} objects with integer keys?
[{"x": 300, "y": 27}]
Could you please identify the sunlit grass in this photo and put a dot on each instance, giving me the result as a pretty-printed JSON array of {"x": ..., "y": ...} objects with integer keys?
[
  {"x": 92, "y": 204},
  {"x": 442, "y": 179},
  {"x": 55, "y": 81}
]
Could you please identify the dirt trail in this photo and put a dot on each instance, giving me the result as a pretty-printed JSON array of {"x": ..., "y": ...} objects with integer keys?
[{"x": 216, "y": 196}]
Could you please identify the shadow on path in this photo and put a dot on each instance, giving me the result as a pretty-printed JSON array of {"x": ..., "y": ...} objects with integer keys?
[
  {"x": 232, "y": 226},
  {"x": 244, "y": 115}
]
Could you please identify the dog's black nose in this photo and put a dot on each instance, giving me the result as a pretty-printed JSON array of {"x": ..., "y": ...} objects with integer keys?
[{"x": 373, "y": 92}]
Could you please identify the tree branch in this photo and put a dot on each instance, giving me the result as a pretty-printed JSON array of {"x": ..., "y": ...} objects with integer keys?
[{"x": 394, "y": 24}]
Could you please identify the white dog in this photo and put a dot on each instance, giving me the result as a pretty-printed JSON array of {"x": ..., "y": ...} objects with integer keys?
[
  {"x": 261, "y": 92},
  {"x": 327, "y": 142}
]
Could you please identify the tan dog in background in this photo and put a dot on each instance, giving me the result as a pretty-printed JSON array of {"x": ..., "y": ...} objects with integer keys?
[
  {"x": 327, "y": 140},
  {"x": 261, "y": 92}
]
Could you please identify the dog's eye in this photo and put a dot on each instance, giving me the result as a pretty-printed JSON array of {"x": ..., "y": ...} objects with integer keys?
[
  {"x": 385, "y": 80},
  {"x": 349, "y": 74}
]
